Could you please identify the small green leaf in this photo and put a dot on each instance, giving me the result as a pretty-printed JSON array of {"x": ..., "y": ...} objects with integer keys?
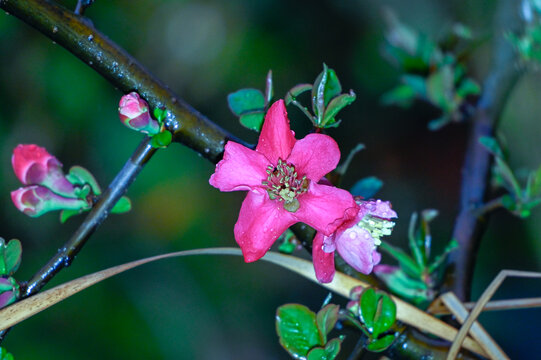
[
  {"x": 330, "y": 351},
  {"x": 492, "y": 145},
  {"x": 4, "y": 355},
  {"x": 326, "y": 319},
  {"x": 404, "y": 260},
  {"x": 79, "y": 176},
  {"x": 82, "y": 192},
  {"x": 468, "y": 87},
  {"x": 295, "y": 91},
  {"x": 385, "y": 315},
  {"x": 535, "y": 183},
  {"x": 66, "y": 214},
  {"x": 378, "y": 345},
  {"x": 160, "y": 114},
  {"x": 367, "y": 187},
  {"x": 328, "y": 85},
  {"x": 368, "y": 307},
  {"x": 439, "y": 260},
  {"x": 12, "y": 252},
  {"x": 402, "y": 95},
  {"x": 253, "y": 121},
  {"x": 440, "y": 85},
  {"x": 337, "y": 104},
  {"x": 288, "y": 242},
  {"x": 245, "y": 101},
  {"x": 123, "y": 205},
  {"x": 416, "y": 82},
  {"x": 410, "y": 289},
  {"x": 161, "y": 140},
  {"x": 296, "y": 326},
  {"x": 438, "y": 123}
]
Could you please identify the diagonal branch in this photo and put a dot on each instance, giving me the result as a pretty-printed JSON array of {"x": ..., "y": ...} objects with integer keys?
[{"x": 77, "y": 35}]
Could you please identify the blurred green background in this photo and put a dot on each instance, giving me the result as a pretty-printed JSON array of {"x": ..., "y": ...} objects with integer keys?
[{"x": 220, "y": 307}]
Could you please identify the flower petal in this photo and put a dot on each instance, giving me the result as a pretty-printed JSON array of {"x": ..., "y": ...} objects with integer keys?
[
  {"x": 276, "y": 139},
  {"x": 315, "y": 156},
  {"x": 325, "y": 207},
  {"x": 381, "y": 209},
  {"x": 261, "y": 221},
  {"x": 323, "y": 261},
  {"x": 356, "y": 247},
  {"x": 240, "y": 169}
]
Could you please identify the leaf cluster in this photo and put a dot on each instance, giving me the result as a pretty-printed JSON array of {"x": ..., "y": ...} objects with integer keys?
[{"x": 417, "y": 276}]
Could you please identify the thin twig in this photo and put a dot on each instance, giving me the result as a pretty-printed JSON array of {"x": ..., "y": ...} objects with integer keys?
[{"x": 97, "y": 215}]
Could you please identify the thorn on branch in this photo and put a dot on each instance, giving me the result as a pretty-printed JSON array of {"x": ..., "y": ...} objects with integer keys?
[{"x": 81, "y": 6}]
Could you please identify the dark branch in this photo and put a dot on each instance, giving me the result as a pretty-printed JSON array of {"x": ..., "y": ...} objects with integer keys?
[
  {"x": 123, "y": 71},
  {"x": 469, "y": 228}
]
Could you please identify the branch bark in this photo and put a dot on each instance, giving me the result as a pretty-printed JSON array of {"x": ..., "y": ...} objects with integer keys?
[{"x": 469, "y": 228}]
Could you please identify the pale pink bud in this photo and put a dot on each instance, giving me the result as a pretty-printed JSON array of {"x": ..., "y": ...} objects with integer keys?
[
  {"x": 133, "y": 112},
  {"x": 36, "y": 200},
  {"x": 33, "y": 165}
]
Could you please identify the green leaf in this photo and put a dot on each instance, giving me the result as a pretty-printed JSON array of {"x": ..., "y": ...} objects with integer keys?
[
  {"x": 402, "y": 95},
  {"x": 410, "y": 289},
  {"x": 160, "y": 114},
  {"x": 385, "y": 315},
  {"x": 12, "y": 252},
  {"x": 468, "y": 87},
  {"x": 378, "y": 345},
  {"x": 10, "y": 256},
  {"x": 534, "y": 185},
  {"x": 440, "y": 85},
  {"x": 330, "y": 351},
  {"x": 122, "y": 205},
  {"x": 415, "y": 247},
  {"x": 253, "y": 121},
  {"x": 79, "y": 176},
  {"x": 491, "y": 145},
  {"x": 404, "y": 260},
  {"x": 337, "y": 104},
  {"x": 161, "y": 140},
  {"x": 416, "y": 82},
  {"x": 438, "y": 123},
  {"x": 245, "y": 101},
  {"x": 296, "y": 326},
  {"x": 288, "y": 242},
  {"x": 367, "y": 187},
  {"x": 326, "y": 319},
  {"x": 4, "y": 355},
  {"x": 295, "y": 91},
  {"x": 328, "y": 85},
  {"x": 439, "y": 260},
  {"x": 66, "y": 214},
  {"x": 368, "y": 303}
]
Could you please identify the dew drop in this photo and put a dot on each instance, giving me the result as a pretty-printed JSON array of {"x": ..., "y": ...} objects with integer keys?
[
  {"x": 55, "y": 30},
  {"x": 90, "y": 37},
  {"x": 90, "y": 63},
  {"x": 352, "y": 235},
  {"x": 207, "y": 150}
]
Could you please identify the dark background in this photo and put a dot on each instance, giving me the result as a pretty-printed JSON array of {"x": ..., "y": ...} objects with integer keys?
[{"x": 219, "y": 307}]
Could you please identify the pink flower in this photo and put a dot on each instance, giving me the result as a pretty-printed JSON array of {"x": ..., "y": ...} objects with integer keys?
[
  {"x": 281, "y": 178},
  {"x": 355, "y": 239},
  {"x": 33, "y": 165},
  {"x": 134, "y": 114},
  {"x": 35, "y": 200}
]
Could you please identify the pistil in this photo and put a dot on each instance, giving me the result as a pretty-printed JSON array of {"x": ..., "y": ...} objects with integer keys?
[{"x": 283, "y": 184}]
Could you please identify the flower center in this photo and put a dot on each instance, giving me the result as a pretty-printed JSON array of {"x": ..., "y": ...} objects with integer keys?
[
  {"x": 283, "y": 184},
  {"x": 377, "y": 227}
]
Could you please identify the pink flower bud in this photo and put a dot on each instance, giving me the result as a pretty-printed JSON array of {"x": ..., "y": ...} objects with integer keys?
[
  {"x": 8, "y": 291},
  {"x": 33, "y": 165},
  {"x": 134, "y": 114},
  {"x": 36, "y": 200}
]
